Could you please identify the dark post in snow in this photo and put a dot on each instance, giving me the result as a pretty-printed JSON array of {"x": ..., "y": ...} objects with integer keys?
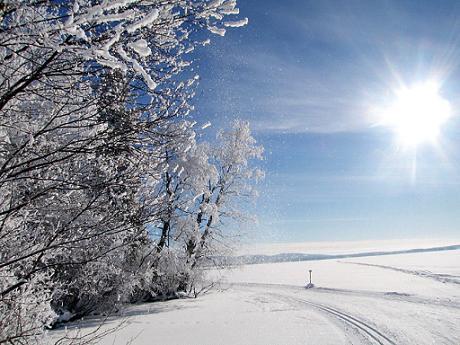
[{"x": 310, "y": 276}]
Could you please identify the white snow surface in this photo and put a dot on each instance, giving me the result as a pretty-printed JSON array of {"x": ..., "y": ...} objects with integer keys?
[{"x": 392, "y": 299}]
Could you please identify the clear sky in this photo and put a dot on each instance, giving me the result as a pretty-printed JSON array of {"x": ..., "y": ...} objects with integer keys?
[{"x": 310, "y": 77}]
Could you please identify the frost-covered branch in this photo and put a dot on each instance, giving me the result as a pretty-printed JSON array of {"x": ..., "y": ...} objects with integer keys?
[{"x": 92, "y": 94}]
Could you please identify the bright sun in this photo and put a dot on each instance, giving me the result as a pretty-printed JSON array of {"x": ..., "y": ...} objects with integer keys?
[{"x": 417, "y": 114}]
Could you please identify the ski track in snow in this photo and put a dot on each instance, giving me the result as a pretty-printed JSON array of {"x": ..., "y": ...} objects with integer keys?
[
  {"x": 357, "y": 329},
  {"x": 386, "y": 295},
  {"x": 443, "y": 278},
  {"x": 376, "y": 336},
  {"x": 366, "y": 330}
]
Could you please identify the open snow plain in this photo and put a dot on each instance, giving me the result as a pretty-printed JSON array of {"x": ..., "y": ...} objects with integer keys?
[{"x": 391, "y": 299}]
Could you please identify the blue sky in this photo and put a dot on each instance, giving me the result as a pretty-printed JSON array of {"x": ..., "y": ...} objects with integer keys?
[{"x": 309, "y": 75}]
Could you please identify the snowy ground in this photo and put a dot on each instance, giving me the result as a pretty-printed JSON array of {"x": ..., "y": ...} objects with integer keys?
[{"x": 395, "y": 299}]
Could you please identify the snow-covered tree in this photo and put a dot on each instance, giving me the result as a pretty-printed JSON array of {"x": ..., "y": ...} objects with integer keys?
[
  {"x": 91, "y": 93},
  {"x": 202, "y": 184},
  {"x": 222, "y": 192}
]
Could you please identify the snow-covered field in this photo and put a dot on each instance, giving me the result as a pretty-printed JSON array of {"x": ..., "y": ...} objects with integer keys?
[{"x": 393, "y": 299}]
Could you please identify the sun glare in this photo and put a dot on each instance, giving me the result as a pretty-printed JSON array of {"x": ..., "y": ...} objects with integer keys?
[{"x": 417, "y": 114}]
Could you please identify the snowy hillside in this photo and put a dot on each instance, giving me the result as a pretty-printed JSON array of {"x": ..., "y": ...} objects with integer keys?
[{"x": 393, "y": 299}]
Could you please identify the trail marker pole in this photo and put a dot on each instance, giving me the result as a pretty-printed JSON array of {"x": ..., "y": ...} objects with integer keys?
[{"x": 310, "y": 275}]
